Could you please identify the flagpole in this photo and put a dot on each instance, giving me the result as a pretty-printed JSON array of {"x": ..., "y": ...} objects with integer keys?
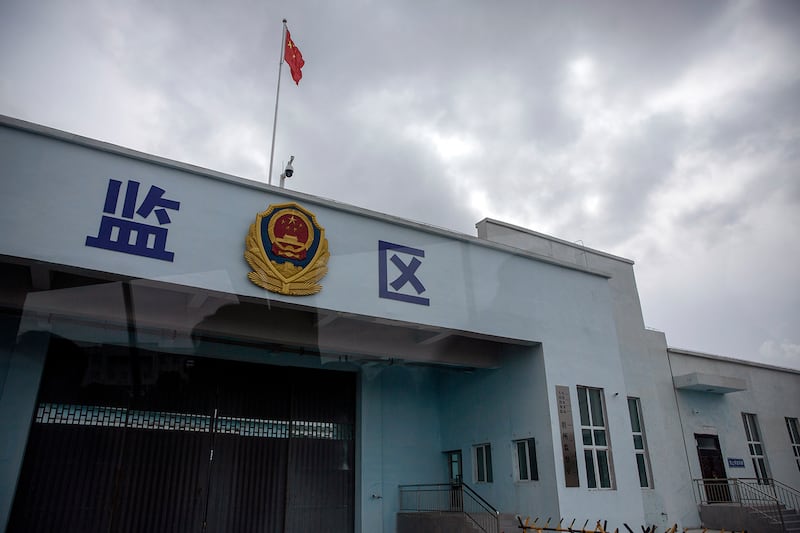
[{"x": 277, "y": 96}]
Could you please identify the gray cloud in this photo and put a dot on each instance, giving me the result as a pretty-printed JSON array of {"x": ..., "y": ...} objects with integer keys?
[{"x": 667, "y": 133}]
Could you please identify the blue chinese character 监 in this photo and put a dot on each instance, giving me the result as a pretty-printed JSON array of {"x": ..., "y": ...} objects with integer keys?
[{"x": 123, "y": 233}]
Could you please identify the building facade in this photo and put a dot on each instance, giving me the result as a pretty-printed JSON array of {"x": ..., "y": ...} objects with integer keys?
[{"x": 188, "y": 350}]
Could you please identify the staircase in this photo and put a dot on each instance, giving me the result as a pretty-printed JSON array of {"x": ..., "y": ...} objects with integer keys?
[
  {"x": 763, "y": 505},
  {"x": 445, "y": 508},
  {"x": 435, "y": 522},
  {"x": 791, "y": 519}
]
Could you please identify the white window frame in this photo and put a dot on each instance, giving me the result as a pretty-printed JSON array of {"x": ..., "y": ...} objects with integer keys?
[
  {"x": 757, "y": 454},
  {"x": 595, "y": 438},
  {"x": 482, "y": 460},
  {"x": 793, "y": 426},
  {"x": 526, "y": 468},
  {"x": 641, "y": 452}
]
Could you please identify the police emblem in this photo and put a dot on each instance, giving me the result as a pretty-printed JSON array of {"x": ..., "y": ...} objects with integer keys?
[{"x": 288, "y": 251}]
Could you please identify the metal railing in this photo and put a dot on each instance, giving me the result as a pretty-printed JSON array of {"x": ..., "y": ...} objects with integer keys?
[
  {"x": 479, "y": 511},
  {"x": 767, "y": 498},
  {"x": 601, "y": 526},
  {"x": 454, "y": 498},
  {"x": 788, "y": 496}
]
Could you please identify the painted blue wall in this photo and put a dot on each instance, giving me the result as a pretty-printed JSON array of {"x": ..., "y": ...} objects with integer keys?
[
  {"x": 53, "y": 191},
  {"x": 53, "y": 188},
  {"x": 498, "y": 407},
  {"x": 400, "y": 439}
]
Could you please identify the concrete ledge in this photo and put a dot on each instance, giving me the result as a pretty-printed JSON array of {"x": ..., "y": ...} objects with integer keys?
[
  {"x": 715, "y": 384},
  {"x": 433, "y": 522},
  {"x": 734, "y": 517}
]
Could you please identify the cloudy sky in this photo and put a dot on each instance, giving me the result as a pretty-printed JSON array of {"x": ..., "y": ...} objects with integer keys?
[{"x": 664, "y": 132}]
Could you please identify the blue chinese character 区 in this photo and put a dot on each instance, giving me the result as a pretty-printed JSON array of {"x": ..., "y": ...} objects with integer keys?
[
  {"x": 406, "y": 270},
  {"x": 126, "y": 235}
]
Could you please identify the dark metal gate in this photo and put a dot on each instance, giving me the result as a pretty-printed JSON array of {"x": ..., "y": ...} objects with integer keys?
[{"x": 131, "y": 440}]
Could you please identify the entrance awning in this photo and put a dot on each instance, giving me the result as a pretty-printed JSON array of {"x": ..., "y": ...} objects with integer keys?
[{"x": 711, "y": 383}]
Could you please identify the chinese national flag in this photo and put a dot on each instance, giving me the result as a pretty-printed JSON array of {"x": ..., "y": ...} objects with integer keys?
[{"x": 293, "y": 58}]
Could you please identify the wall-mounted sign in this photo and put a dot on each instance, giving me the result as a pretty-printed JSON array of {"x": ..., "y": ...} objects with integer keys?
[
  {"x": 567, "y": 430},
  {"x": 735, "y": 462},
  {"x": 400, "y": 263},
  {"x": 128, "y": 230},
  {"x": 288, "y": 251}
]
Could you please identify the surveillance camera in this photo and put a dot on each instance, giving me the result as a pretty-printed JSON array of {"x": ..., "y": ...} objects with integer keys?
[{"x": 289, "y": 170}]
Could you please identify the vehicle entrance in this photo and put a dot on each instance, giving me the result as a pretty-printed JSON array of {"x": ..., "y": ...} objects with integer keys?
[{"x": 133, "y": 440}]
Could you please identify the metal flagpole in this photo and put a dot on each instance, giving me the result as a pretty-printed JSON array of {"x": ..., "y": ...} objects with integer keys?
[{"x": 277, "y": 95}]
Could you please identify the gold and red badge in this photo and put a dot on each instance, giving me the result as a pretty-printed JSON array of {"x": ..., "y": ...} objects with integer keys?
[{"x": 287, "y": 249}]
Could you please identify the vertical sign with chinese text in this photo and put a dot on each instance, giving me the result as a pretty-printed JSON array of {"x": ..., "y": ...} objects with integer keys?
[{"x": 567, "y": 436}]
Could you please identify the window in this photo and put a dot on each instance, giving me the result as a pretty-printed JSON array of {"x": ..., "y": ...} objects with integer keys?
[
  {"x": 525, "y": 458},
  {"x": 483, "y": 463},
  {"x": 640, "y": 443},
  {"x": 794, "y": 437},
  {"x": 756, "y": 448},
  {"x": 596, "y": 451}
]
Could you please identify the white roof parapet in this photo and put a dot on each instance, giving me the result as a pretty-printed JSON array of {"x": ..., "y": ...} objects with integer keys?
[
  {"x": 734, "y": 360},
  {"x": 557, "y": 240}
]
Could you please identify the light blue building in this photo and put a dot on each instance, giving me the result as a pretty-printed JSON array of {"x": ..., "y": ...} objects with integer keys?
[{"x": 189, "y": 351}]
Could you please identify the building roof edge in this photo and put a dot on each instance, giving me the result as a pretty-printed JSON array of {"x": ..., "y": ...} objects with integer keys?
[
  {"x": 556, "y": 239},
  {"x": 88, "y": 142},
  {"x": 692, "y": 353}
]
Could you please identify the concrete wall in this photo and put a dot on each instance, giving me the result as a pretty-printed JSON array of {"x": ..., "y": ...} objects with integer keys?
[
  {"x": 400, "y": 439},
  {"x": 611, "y": 361},
  {"x": 599, "y": 366},
  {"x": 670, "y": 500},
  {"x": 578, "y": 307},
  {"x": 671, "y": 417},
  {"x": 643, "y": 364},
  {"x": 772, "y": 395},
  {"x": 53, "y": 189},
  {"x": 498, "y": 407},
  {"x": 434, "y": 523}
]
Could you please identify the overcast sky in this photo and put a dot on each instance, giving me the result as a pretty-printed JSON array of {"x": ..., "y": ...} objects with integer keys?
[{"x": 664, "y": 132}]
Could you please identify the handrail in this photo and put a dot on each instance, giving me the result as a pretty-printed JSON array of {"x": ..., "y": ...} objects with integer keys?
[
  {"x": 486, "y": 517},
  {"x": 785, "y": 494},
  {"x": 447, "y": 497},
  {"x": 479, "y": 499},
  {"x": 429, "y": 497},
  {"x": 788, "y": 488},
  {"x": 757, "y": 504},
  {"x": 761, "y": 496}
]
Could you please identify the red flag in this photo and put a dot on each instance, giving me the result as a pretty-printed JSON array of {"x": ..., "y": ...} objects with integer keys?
[{"x": 293, "y": 58}]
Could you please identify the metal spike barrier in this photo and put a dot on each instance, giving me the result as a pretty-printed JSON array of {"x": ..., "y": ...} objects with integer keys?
[{"x": 600, "y": 527}]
